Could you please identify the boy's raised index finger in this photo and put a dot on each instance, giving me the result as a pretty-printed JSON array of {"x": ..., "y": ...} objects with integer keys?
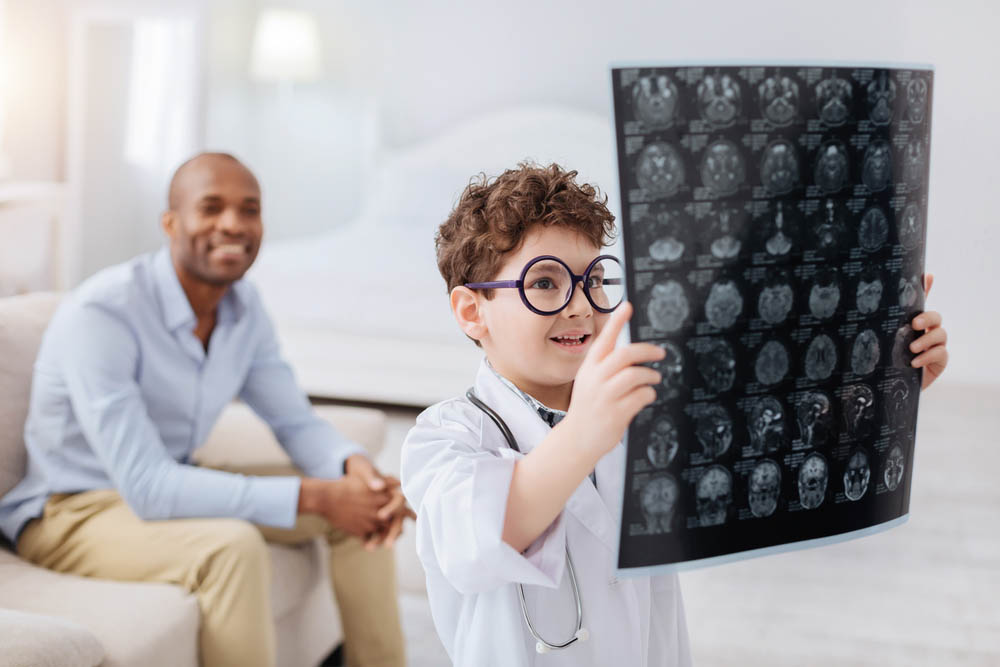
[{"x": 605, "y": 342}]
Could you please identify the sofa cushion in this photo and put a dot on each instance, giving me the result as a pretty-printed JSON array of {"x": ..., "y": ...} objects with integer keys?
[
  {"x": 121, "y": 614},
  {"x": 36, "y": 640},
  {"x": 22, "y": 322},
  {"x": 295, "y": 571},
  {"x": 136, "y": 623}
]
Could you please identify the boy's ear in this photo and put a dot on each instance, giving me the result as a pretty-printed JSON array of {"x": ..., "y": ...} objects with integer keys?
[{"x": 465, "y": 306}]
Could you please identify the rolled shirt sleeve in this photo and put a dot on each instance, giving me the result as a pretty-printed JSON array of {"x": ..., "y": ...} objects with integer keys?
[{"x": 271, "y": 391}]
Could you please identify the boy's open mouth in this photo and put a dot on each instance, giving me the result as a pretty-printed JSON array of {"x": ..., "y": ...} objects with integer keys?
[{"x": 571, "y": 341}]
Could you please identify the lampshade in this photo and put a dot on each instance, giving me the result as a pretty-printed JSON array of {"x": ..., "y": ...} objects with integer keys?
[{"x": 286, "y": 46}]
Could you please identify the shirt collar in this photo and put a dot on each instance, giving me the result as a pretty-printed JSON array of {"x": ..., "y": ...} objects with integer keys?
[
  {"x": 174, "y": 304},
  {"x": 547, "y": 414}
]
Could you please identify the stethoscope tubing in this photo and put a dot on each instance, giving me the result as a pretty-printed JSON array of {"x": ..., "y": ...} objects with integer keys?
[{"x": 542, "y": 645}]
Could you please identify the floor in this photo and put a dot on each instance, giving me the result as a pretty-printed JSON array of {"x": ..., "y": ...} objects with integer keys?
[{"x": 925, "y": 593}]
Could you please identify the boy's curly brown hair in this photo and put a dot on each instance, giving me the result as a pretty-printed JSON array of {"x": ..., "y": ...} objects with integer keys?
[{"x": 493, "y": 216}]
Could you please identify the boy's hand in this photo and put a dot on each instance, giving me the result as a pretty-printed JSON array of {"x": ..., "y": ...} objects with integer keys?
[
  {"x": 610, "y": 389},
  {"x": 930, "y": 348}
]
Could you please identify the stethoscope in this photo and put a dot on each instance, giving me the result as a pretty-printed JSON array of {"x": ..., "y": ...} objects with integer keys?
[{"x": 581, "y": 634}]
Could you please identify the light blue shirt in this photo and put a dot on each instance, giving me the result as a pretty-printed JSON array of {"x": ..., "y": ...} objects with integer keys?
[{"x": 123, "y": 392}]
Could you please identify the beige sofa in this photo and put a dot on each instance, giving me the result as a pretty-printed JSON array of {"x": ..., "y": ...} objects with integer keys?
[{"x": 54, "y": 619}]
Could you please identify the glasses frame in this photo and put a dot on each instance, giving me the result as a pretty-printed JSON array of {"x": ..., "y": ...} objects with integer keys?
[{"x": 574, "y": 278}]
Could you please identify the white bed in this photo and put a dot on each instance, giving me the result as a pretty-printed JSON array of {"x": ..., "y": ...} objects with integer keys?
[{"x": 361, "y": 310}]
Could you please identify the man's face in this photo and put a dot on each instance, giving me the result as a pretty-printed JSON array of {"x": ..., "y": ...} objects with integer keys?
[
  {"x": 541, "y": 351},
  {"x": 214, "y": 223}
]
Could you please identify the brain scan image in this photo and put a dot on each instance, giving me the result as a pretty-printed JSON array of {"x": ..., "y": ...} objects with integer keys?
[
  {"x": 831, "y": 167},
  {"x": 778, "y": 231},
  {"x": 873, "y": 230},
  {"x": 909, "y": 291},
  {"x": 775, "y": 300},
  {"x": 714, "y": 429},
  {"x": 765, "y": 488},
  {"x": 671, "y": 368},
  {"x": 880, "y": 94},
  {"x": 658, "y": 501},
  {"x": 663, "y": 443},
  {"x": 767, "y": 425},
  {"x": 876, "y": 172},
  {"x": 868, "y": 295},
  {"x": 892, "y": 475},
  {"x": 813, "y": 476},
  {"x": 719, "y": 99},
  {"x": 725, "y": 234},
  {"x": 717, "y": 365},
  {"x": 713, "y": 495},
  {"x": 815, "y": 417},
  {"x": 722, "y": 169},
  {"x": 824, "y": 295},
  {"x": 668, "y": 306},
  {"x": 828, "y": 229},
  {"x": 859, "y": 410},
  {"x": 914, "y": 164},
  {"x": 857, "y": 475},
  {"x": 771, "y": 365},
  {"x": 916, "y": 99},
  {"x": 821, "y": 358},
  {"x": 779, "y": 167},
  {"x": 865, "y": 353},
  {"x": 724, "y": 304},
  {"x": 655, "y": 100},
  {"x": 833, "y": 98},
  {"x": 669, "y": 239},
  {"x": 910, "y": 227},
  {"x": 779, "y": 99},
  {"x": 901, "y": 354},
  {"x": 900, "y": 397},
  {"x": 659, "y": 169}
]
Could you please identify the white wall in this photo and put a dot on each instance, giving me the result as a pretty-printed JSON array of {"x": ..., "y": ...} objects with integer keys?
[
  {"x": 310, "y": 144},
  {"x": 33, "y": 52}
]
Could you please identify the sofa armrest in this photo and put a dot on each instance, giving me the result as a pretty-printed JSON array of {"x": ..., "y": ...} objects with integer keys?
[
  {"x": 37, "y": 639},
  {"x": 241, "y": 439}
]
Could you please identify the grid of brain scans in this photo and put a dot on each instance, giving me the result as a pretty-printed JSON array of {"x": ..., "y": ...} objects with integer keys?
[{"x": 774, "y": 229}]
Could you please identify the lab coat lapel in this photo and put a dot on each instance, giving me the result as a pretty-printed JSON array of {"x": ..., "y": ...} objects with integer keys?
[
  {"x": 586, "y": 504},
  {"x": 524, "y": 423}
]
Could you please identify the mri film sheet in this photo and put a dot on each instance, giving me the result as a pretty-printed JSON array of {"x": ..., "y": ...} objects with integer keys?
[{"x": 774, "y": 224}]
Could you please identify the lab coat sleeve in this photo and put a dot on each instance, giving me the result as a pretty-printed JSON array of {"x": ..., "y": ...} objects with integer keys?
[{"x": 459, "y": 490}]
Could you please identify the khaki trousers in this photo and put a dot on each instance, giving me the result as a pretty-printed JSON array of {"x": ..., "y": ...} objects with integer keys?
[{"x": 225, "y": 564}]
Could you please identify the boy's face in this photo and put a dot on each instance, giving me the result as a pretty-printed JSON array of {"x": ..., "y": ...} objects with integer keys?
[{"x": 530, "y": 349}]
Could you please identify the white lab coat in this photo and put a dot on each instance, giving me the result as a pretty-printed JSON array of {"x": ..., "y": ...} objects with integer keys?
[{"x": 456, "y": 472}]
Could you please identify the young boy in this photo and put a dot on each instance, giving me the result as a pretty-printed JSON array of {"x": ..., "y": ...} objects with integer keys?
[{"x": 517, "y": 535}]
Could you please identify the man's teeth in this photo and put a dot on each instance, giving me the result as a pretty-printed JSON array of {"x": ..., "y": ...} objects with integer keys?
[
  {"x": 570, "y": 340},
  {"x": 231, "y": 247}
]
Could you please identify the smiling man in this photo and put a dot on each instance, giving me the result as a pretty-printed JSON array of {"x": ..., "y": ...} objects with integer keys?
[{"x": 133, "y": 372}]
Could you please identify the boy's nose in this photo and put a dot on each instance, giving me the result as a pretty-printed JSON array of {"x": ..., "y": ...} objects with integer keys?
[{"x": 578, "y": 305}]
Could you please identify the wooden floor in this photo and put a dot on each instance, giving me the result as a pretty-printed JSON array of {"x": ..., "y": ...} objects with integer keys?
[{"x": 924, "y": 593}]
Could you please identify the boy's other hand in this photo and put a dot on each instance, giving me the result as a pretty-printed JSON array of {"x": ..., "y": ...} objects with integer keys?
[
  {"x": 931, "y": 347},
  {"x": 610, "y": 388}
]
